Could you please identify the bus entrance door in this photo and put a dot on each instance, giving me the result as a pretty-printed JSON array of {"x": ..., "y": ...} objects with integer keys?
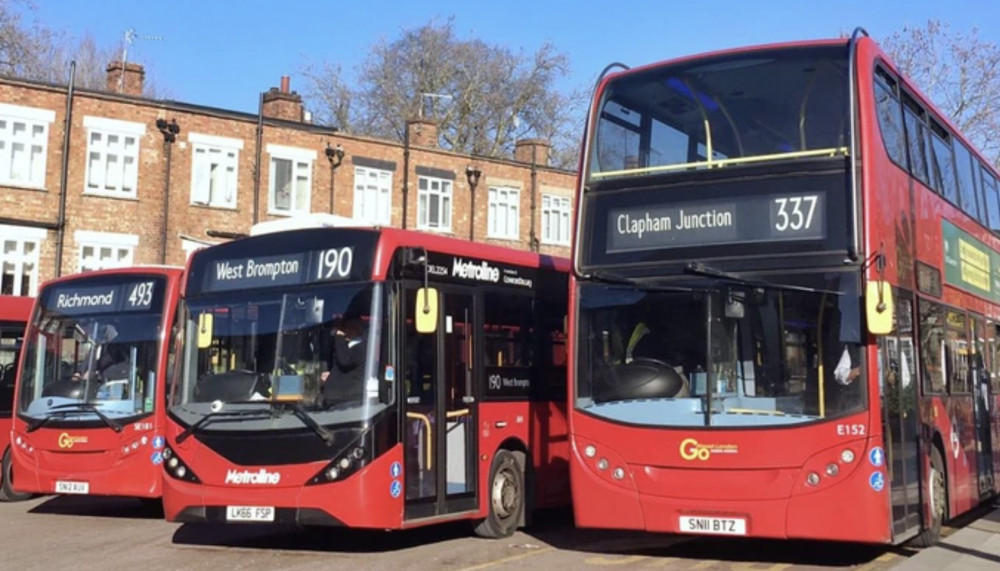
[
  {"x": 441, "y": 411},
  {"x": 981, "y": 411},
  {"x": 898, "y": 385}
]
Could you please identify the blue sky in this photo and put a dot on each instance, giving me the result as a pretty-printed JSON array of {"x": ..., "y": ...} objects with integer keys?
[{"x": 224, "y": 53}]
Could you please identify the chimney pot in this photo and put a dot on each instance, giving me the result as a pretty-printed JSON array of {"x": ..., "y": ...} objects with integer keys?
[{"x": 285, "y": 84}]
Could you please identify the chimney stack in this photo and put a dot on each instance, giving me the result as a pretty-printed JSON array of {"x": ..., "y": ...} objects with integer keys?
[
  {"x": 281, "y": 103},
  {"x": 423, "y": 132},
  {"x": 524, "y": 149},
  {"x": 127, "y": 79}
]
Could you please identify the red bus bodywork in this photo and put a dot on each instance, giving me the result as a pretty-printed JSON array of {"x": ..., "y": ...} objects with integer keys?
[
  {"x": 109, "y": 463},
  {"x": 537, "y": 428},
  {"x": 15, "y": 311},
  {"x": 675, "y": 472}
]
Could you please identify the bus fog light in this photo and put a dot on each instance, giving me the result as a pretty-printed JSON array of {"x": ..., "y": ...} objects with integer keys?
[
  {"x": 180, "y": 471},
  {"x": 172, "y": 463},
  {"x": 812, "y": 479},
  {"x": 590, "y": 451},
  {"x": 847, "y": 456},
  {"x": 345, "y": 463},
  {"x": 832, "y": 470},
  {"x": 602, "y": 464},
  {"x": 618, "y": 473},
  {"x": 332, "y": 473}
]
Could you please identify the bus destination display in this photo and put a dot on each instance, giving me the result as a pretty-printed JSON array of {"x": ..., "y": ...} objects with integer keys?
[
  {"x": 75, "y": 299},
  {"x": 331, "y": 264},
  {"x": 730, "y": 220}
]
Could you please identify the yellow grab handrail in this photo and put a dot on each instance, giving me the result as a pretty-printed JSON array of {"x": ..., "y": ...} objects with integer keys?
[{"x": 430, "y": 435}]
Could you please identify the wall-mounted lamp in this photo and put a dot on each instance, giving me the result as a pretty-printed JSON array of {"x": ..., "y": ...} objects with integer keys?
[
  {"x": 472, "y": 174},
  {"x": 336, "y": 156},
  {"x": 168, "y": 129}
]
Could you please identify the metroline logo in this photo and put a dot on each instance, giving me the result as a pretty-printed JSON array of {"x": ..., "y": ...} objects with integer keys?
[{"x": 261, "y": 476}]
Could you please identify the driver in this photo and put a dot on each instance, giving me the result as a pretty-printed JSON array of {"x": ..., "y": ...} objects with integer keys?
[{"x": 346, "y": 361}]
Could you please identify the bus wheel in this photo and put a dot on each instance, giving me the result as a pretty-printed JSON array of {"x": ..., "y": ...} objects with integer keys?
[
  {"x": 937, "y": 494},
  {"x": 7, "y": 493},
  {"x": 506, "y": 497}
]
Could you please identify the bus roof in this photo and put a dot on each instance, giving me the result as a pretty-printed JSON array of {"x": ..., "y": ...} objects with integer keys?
[
  {"x": 15, "y": 308},
  {"x": 310, "y": 220},
  {"x": 168, "y": 271}
]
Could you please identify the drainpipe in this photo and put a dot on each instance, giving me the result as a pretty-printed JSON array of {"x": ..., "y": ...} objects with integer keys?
[
  {"x": 532, "y": 238},
  {"x": 63, "y": 175},
  {"x": 256, "y": 169},
  {"x": 406, "y": 168}
]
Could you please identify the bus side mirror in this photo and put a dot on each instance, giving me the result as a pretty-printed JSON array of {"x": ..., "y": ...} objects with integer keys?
[
  {"x": 879, "y": 307},
  {"x": 205, "y": 330},
  {"x": 426, "y": 310}
]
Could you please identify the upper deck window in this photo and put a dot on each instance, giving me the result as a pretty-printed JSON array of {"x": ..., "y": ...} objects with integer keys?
[{"x": 724, "y": 111}]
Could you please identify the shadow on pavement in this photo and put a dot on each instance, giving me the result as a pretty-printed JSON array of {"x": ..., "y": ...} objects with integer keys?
[{"x": 100, "y": 506}]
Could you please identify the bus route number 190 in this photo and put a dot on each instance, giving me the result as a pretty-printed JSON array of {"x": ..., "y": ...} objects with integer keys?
[{"x": 335, "y": 263}]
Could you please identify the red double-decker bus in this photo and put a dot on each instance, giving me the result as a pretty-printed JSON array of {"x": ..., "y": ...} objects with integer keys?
[
  {"x": 14, "y": 313},
  {"x": 370, "y": 378},
  {"x": 785, "y": 301},
  {"x": 89, "y": 402}
]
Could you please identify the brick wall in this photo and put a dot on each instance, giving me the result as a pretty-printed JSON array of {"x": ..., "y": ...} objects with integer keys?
[{"x": 142, "y": 215}]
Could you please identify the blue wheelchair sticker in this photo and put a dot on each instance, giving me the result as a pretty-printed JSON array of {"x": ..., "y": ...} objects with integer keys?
[
  {"x": 876, "y": 456},
  {"x": 877, "y": 481},
  {"x": 395, "y": 489},
  {"x": 157, "y": 458},
  {"x": 396, "y": 470}
]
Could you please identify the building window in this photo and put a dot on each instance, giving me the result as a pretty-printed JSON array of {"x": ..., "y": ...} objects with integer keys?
[
  {"x": 19, "y": 247},
  {"x": 103, "y": 250},
  {"x": 291, "y": 179},
  {"x": 373, "y": 195},
  {"x": 190, "y": 246},
  {"x": 214, "y": 170},
  {"x": 555, "y": 219},
  {"x": 24, "y": 135},
  {"x": 112, "y": 156},
  {"x": 434, "y": 204},
  {"x": 504, "y": 213}
]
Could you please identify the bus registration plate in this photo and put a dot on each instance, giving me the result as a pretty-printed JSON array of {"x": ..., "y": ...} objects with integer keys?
[
  {"x": 713, "y": 525},
  {"x": 249, "y": 513},
  {"x": 67, "y": 487}
]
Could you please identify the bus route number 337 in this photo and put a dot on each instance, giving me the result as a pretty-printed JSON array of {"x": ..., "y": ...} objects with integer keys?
[
  {"x": 713, "y": 525},
  {"x": 250, "y": 513}
]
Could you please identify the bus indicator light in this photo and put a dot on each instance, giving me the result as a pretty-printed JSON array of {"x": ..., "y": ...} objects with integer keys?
[
  {"x": 590, "y": 451},
  {"x": 847, "y": 456}
]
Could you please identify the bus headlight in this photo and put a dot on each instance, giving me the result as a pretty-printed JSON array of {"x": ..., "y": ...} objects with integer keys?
[
  {"x": 349, "y": 460},
  {"x": 847, "y": 456},
  {"x": 812, "y": 479},
  {"x": 176, "y": 469}
]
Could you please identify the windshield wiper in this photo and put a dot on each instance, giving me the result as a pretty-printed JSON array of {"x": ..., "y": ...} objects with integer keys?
[
  {"x": 300, "y": 413},
  {"x": 61, "y": 410},
  {"x": 218, "y": 414},
  {"x": 699, "y": 269},
  {"x": 613, "y": 278}
]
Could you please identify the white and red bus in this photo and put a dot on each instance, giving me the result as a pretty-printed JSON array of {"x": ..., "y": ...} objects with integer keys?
[
  {"x": 785, "y": 301},
  {"x": 89, "y": 402},
  {"x": 14, "y": 314},
  {"x": 454, "y": 407}
]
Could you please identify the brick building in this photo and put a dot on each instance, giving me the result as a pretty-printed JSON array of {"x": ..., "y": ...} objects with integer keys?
[{"x": 116, "y": 192}]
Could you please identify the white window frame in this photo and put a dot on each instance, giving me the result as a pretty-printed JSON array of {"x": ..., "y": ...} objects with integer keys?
[
  {"x": 112, "y": 137},
  {"x": 558, "y": 210},
  {"x": 96, "y": 241},
  {"x": 373, "y": 195},
  {"x": 33, "y": 136},
  {"x": 504, "y": 213},
  {"x": 431, "y": 188},
  {"x": 20, "y": 236},
  {"x": 190, "y": 246},
  {"x": 301, "y": 163},
  {"x": 222, "y": 153}
]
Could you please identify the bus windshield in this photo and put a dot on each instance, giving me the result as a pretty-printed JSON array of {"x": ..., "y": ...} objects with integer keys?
[
  {"x": 314, "y": 346},
  {"x": 733, "y": 109},
  {"x": 726, "y": 355},
  {"x": 107, "y": 361}
]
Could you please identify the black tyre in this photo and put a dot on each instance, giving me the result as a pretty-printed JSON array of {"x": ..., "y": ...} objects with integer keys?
[
  {"x": 937, "y": 494},
  {"x": 7, "y": 493},
  {"x": 506, "y": 495}
]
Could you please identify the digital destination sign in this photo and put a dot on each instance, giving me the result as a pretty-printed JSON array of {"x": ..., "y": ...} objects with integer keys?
[
  {"x": 330, "y": 264},
  {"x": 87, "y": 298},
  {"x": 749, "y": 219}
]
